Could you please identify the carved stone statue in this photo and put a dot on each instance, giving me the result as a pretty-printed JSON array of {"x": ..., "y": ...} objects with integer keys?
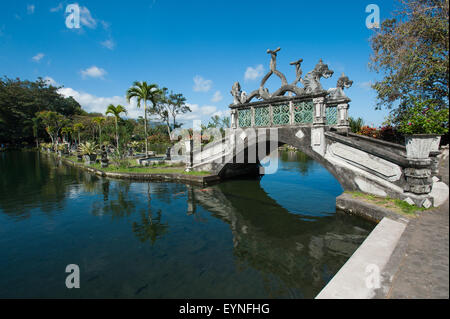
[
  {"x": 338, "y": 92},
  {"x": 311, "y": 83},
  {"x": 298, "y": 71},
  {"x": 237, "y": 93},
  {"x": 312, "y": 78},
  {"x": 104, "y": 154},
  {"x": 273, "y": 69}
]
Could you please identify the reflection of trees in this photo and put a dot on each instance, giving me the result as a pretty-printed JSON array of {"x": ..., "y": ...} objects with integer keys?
[
  {"x": 30, "y": 180},
  {"x": 303, "y": 161},
  {"x": 122, "y": 204},
  {"x": 149, "y": 227}
]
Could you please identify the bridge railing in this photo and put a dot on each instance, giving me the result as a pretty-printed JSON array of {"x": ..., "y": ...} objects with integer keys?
[{"x": 291, "y": 111}]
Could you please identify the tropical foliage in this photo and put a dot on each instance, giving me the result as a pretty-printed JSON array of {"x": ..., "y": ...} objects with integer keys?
[
  {"x": 20, "y": 101},
  {"x": 424, "y": 117},
  {"x": 143, "y": 92},
  {"x": 88, "y": 148},
  {"x": 411, "y": 51}
]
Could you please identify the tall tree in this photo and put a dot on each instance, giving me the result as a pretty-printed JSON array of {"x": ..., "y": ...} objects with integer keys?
[
  {"x": 144, "y": 92},
  {"x": 177, "y": 105},
  {"x": 77, "y": 128},
  {"x": 20, "y": 100},
  {"x": 36, "y": 123},
  {"x": 116, "y": 111},
  {"x": 411, "y": 50},
  {"x": 99, "y": 121},
  {"x": 53, "y": 122},
  {"x": 161, "y": 110}
]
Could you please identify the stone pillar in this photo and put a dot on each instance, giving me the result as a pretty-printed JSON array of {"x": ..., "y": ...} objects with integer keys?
[
  {"x": 434, "y": 163},
  {"x": 319, "y": 111},
  {"x": 234, "y": 118},
  {"x": 291, "y": 113},
  {"x": 342, "y": 120},
  {"x": 418, "y": 177},
  {"x": 190, "y": 154}
]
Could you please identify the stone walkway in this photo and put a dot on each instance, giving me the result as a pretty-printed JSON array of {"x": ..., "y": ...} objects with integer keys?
[{"x": 424, "y": 262}]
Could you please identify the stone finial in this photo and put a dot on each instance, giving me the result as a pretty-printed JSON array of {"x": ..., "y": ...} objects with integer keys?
[
  {"x": 312, "y": 78},
  {"x": 298, "y": 71},
  {"x": 342, "y": 83}
]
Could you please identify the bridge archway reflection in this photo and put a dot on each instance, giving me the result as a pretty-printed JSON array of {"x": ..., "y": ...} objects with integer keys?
[{"x": 295, "y": 254}]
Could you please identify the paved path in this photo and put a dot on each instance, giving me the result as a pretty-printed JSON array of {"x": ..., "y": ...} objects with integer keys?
[{"x": 423, "y": 270}]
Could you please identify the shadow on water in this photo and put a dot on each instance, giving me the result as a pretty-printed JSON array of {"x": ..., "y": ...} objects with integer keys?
[{"x": 241, "y": 238}]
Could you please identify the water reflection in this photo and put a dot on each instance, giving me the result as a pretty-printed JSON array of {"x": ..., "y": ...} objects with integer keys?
[
  {"x": 241, "y": 238},
  {"x": 29, "y": 182},
  {"x": 150, "y": 228},
  {"x": 280, "y": 245}
]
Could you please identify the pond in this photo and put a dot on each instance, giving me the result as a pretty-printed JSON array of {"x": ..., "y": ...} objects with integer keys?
[{"x": 278, "y": 237}]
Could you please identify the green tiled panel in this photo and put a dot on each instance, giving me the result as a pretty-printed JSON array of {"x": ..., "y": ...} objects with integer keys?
[
  {"x": 280, "y": 114},
  {"x": 245, "y": 117},
  {"x": 262, "y": 116},
  {"x": 303, "y": 112}
]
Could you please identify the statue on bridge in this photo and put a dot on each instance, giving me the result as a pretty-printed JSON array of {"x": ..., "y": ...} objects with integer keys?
[
  {"x": 338, "y": 92},
  {"x": 311, "y": 82},
  {"x": 312, "y": 78}
]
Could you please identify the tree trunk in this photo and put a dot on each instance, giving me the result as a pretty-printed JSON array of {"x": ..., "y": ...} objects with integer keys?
[
  {"x": 145, "y": 128},
  {"x": 117, "y": 135},
  {"x": 168, "y": 129}
]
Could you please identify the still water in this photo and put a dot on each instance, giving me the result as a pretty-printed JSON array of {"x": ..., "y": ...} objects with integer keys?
[{"x": 279, "y": 237}]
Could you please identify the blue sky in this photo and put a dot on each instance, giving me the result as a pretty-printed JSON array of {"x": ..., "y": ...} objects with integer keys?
[{"x": 198, "y": 48}]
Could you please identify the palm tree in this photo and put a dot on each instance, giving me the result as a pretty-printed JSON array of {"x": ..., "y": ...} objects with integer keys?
[
  {"x": 77, "y": 128},
  {"x": 116, "y": 111},
  {"x": 99, "y": 121},
  {"x": 143, "y": 93}
]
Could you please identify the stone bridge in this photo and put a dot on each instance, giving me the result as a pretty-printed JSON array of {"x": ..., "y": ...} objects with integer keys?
[{"x": 315, "y": 121}]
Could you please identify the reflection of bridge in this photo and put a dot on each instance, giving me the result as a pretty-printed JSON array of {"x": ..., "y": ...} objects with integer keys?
[
  {"x": 315, "y": 121},
  {"x": 296, "y": 258}
]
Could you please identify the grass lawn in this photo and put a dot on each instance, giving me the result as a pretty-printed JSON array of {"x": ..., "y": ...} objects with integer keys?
[
  {"x": 159, "y": 168},
  {"x": 396, "y": 205}
]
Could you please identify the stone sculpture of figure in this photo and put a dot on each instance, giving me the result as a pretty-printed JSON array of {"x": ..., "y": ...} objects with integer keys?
[
  {"x": 273, "y": 60},
  {"x": 104, "y": 160},
  {"x": 312, "y": 78},
  {"x": 236, "y": 93},
  {"x": 342, "y": 82},
  {"x": 298, "y": 71},
  {"x": 273, "y": 69}
]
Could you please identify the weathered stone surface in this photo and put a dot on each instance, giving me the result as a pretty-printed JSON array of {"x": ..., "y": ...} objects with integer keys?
[
  {"x": 361, "y": 159},
  {"x": 300, "y": 134}
]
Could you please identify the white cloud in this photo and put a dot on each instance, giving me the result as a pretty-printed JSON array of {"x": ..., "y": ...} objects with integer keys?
[
  {"x": 58, "y": 8},
  {"x": 50, "y": 81},
  {"x": 38, "y": 57},
  {"x": 86, "y": 18},
  {"x": 30, "y": 8},
  {"x": 98, "y": 104},
  {"x": 109, "y": 44},
  {"x": 254, "y": 73},
  {"x": 217, "y": 97},
  {"x": 93, "y": 72},
  {"x": 208, "y": 109},
  {"x": 202, "y": 85},
  {"x": 106, "y": 25}
]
